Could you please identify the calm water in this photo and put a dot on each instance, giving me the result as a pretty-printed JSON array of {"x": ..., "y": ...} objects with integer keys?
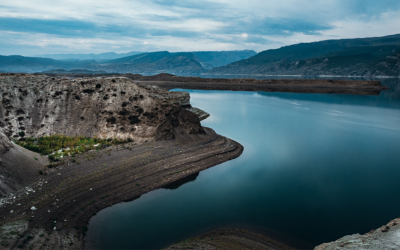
[{"x": 315, "y": 168}]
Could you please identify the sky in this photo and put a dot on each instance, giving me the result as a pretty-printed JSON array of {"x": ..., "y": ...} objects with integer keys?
[{"x": 34, "y": 27}]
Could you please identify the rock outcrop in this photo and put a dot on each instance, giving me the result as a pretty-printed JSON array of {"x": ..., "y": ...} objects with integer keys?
[
  {"x": 385, "y": 237},
  {"x": 108, "y": 107},
  {"x": 18, "y": 166},
  {"x": 5, "y": 144}
]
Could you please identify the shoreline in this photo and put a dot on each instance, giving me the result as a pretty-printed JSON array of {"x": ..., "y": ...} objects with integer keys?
[
  {"x": 295, "y": 88},
  {"x": 322, "y": 85},
  {"x": 67, "y": 197},
  {"x": 322, "y": 76}
]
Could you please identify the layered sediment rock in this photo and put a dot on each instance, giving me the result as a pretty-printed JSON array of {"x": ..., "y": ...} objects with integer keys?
[{"x": 113, "y": 107}]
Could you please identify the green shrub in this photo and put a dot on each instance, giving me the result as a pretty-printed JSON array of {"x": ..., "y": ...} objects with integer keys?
[
  {"x": 47, "y": 145},
  {"x": 51, "y": 158},
  {"x": 22, "y": 133}
]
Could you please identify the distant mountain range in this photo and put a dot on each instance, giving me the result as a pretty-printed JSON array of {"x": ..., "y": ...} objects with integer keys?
[
  {"x": 186, "y": 63},
  {"x": 377, "y": 56},
  {"x": 96, "y": 57}
]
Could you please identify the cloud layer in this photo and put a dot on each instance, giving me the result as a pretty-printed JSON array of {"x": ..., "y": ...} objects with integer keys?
[{"x": 31, "y": 27}]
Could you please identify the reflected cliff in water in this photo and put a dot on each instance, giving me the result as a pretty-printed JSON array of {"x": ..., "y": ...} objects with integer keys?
[
  {"x": 315, "y": 167},
  {"x": 181, "y": 182}
]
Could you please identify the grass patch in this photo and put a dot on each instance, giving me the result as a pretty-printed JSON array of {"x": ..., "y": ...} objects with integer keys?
[{"x": 60, "y": 145}]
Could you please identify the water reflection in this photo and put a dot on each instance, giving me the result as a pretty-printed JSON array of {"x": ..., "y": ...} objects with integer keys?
[
  {"x": 315, "y": 167},
  {"x": 181, "y": 182}
]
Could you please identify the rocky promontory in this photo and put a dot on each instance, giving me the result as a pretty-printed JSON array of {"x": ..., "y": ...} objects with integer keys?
[{"x": 46, "y": 206}]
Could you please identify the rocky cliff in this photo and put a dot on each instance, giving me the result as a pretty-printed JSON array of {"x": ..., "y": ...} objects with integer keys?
[{"x": 114, "y": 107}]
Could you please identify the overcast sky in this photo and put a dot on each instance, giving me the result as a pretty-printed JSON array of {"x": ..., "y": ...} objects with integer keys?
[{"x": 31, "y": 27}]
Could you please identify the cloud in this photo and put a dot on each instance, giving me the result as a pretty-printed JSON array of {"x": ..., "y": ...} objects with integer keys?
[{"x": 126, "y": 25}]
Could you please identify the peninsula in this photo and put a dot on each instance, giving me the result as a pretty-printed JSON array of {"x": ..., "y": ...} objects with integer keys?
[{"x": 47, "y": 205}]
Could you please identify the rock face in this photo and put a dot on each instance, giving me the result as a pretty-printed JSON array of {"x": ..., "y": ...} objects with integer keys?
[
  {"x": 114, "y": 107},
  {"x": 385, "y": 237},
  {"x": 18, "y": 166},
  {"x": 5, "y": 144}
]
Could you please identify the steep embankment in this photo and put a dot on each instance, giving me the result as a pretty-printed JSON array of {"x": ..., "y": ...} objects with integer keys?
[{"x": 18, "y": 166}]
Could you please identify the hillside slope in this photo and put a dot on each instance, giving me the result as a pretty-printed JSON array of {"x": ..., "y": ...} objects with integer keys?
[
  {"x": 179, "y": 63},
  {"x": 156, "y": 62},
  {"x": 362, "y": 56}
]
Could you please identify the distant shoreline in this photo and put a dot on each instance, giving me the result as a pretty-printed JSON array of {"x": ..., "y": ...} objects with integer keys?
[
  {"x": 322, "y": 76},
  {"x": 319, "y": 86}
]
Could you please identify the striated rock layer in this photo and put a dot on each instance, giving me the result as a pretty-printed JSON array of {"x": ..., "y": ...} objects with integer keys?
[{"x": 113, "y": 107}]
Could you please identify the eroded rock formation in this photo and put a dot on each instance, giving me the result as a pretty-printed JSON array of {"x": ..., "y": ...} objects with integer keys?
[{"x": 114, "y": 107}]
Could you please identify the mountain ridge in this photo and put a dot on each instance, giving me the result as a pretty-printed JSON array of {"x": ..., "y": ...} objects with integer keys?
[
  {"x": 314, "y": 58},
  {"x": 145, "y": 63}
]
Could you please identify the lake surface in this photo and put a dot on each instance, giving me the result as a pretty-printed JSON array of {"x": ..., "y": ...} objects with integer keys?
[{"x": 315, "y": 167}]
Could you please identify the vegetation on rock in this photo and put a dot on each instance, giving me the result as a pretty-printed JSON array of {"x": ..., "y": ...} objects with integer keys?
[{"x": 60, "y": 145}]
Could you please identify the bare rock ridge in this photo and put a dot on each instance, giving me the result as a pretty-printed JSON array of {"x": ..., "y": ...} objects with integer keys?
[{"x": 108, "y": 107}]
